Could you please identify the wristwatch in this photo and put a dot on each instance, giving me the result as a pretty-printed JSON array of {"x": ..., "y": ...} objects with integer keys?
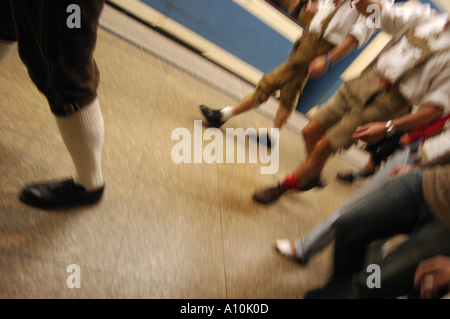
[{"x": 390, "y": 129}]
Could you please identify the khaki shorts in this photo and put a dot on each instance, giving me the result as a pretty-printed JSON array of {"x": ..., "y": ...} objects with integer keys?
[
  {"x": 290, "y": 77},
  {"x": 358, "y": 102}
]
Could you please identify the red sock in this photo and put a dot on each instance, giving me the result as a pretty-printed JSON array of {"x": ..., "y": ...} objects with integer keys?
[{"x": 290, "y": 182}]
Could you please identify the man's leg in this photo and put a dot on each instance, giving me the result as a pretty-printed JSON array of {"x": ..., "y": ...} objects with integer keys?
[
  {"x": 266, "y": 87},
  {"x": 314, "y": 163},
  {"x": 70, "y": 86},
  {"x": 323, "y": 234},
  {"x": 289, "y": 96},
  {"x": 392, "y": 209},
  {"x": 82, "y": 133},
  {"x": 312, "y": 133},
  {"x": 428, "y": 239},
  {"x": 305, "y": 177},
  {"x": 333, "y": 115},
  {"x": 290, "y": 77}
]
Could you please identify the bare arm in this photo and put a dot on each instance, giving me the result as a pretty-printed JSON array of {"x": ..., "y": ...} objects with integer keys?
[
  {"x": 362, "y": 6},
  {"x": 373, "y": 132},
  {"x": 320, "y": 65}
]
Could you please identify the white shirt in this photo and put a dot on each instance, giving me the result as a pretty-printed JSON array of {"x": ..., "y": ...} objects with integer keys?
[
  {"x": 346, "y": 21},
  {"x": 437, "y": 145},
  {"x": 430, "y": 82}
]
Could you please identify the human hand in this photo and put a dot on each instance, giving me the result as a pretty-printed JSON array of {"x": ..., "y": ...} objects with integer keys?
[
  {"x": 370, "y": 133},
  {"x": 353, "y": 3},
  {"x": 404, "y": 140},
  {"x": 431, "y": 275},
  {"x": 400, "y": 169},
  {"x": 318, "y": 67}
]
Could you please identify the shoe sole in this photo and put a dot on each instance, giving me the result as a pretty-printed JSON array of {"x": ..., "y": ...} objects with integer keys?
[
  {"x": 263, "y": 201},
  {"x": 50, "y": 206},
  {"x": 300, "y": 261}
]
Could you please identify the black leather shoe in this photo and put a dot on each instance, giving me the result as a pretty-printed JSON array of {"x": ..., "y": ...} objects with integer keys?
[
  {"x": 59, "y": 195},
  {"x": 266, "y": 142},
  {"x": 213, "y": 117}
]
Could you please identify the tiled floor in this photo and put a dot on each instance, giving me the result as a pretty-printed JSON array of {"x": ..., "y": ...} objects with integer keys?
[{"x": 162, "y": 230}]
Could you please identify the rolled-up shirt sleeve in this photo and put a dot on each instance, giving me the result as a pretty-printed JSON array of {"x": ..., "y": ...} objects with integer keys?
[
  {"x": 361, "y": 31},
  {"x": 439, "y": 91},
  {"x": 396, "y": 19}
]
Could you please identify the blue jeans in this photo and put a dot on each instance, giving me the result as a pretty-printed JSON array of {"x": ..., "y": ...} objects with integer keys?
[
  {"x": 322, "y": 235},
  {"x": 397, "y": 208}
]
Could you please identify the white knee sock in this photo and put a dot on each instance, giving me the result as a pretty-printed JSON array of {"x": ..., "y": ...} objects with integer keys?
[
  {"x": 227, "y": 113},
  {"x": 82, "y": 133},
  {"x": 5, "y": 49}
]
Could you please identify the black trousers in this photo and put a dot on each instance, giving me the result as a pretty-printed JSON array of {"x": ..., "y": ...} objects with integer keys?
[{"x": 58, "y": 56}]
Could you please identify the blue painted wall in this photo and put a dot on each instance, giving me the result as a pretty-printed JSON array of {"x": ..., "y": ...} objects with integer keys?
[
  {"x": 231, "y": 27},
  {"x": 234, "y": 29}
]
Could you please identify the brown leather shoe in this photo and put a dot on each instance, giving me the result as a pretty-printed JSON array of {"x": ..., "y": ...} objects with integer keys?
[
  {"x": 312, "y": 184},
  {"x": 269, "y": 195}
]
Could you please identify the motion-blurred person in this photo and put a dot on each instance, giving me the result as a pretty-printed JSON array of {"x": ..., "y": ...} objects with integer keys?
[
  {"x": 304, "y": 248},
  {"x": 332, "y": 34},
  {"x": 416, "y": 203},
  {"x": 413, "y": 69}
]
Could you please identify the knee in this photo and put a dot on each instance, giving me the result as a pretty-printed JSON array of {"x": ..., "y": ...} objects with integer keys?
[
  {"x": 262, "y": 92},
  {"x": 313, "y": 131},
  {"x": 308, "y": 132}
]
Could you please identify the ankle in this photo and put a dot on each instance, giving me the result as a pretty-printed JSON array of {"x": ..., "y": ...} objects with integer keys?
[
  {"x": 91, "y": 184},
  {"x": 226, "y": 113},
  {"x": 292, "y": 183},
  {"x": 293, "y": 250}
]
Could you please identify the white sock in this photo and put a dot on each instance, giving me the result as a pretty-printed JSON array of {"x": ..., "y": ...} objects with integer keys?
[
  {"x": 82, "y": 133},
  {"x": 227, "y": 113},
  {"x": 5, "y": 49},
  {"x": 284, "y": 247}
]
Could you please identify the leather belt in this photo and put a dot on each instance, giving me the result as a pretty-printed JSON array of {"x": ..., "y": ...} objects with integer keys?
[{"x": 388, "y": 85}]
